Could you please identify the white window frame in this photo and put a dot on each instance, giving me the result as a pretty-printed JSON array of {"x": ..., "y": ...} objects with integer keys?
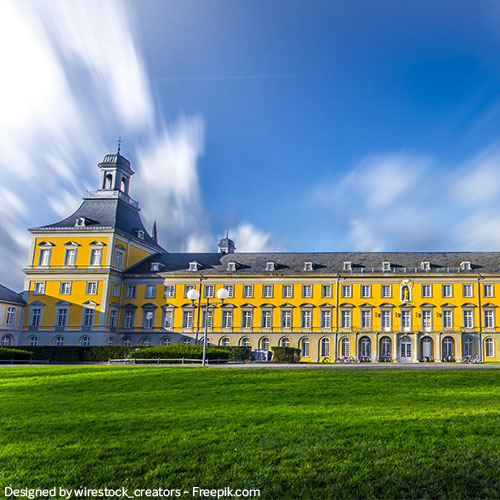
[
  {"x": 131, "y": 291},
  {"x": 10, "y": 317},
  {"x": 468, "y": 318},
  {"x": 88, "y": 317},
  {"x": 62, "y": 314},
  {"x": 128, "y": 319},
  {"x": 169, "y": 292},
  {"x": 326, "y": 318},
  {"x": 227, "y": 319},
  {"x": 230, "y": 290},
  {"x": 488, "y": 290},
  {"x": 427, "y": 320},
  {"x": 65, "y": 288},
  {"x": 489, "y": 347},
  {"x": 35, "y": 317},
  {"x": 366, "y": 291},
  {"x": 286, "y": 318},
  {"x": 187, "y": 319},
  {"x": 326, "y": 291},
  {"x": 168, "y": 320},
  {"x": 115, "y": 289},
  {"x": 246, "y": 318},
  {"x": 489, "y": 318},
  {"x": 267, "y": 291},
  {"x": 39, "y": 288},
  {"x": 306, "y": 318},
  {"x": 386, "y": 291},
  {"x": 468, "y": 291},
  {"x": 366, "y": 318},
  {"x": 447, "y": 318},
  {"x": 267, "y": 318},
  {"x": 150, "y": 292},
  {"x": 70, "y": 256},
  {"x": 346, "y": 291},
  {"x": 44, "y": 257},
  {"x": 386, "y": 320},
  {"x": 307, "y": 291},
  {"x": 305, "y": 347},
  {"x": 447, "y": 290},
  {"x": 93, "y": 253},
  {"x": 287, "y": 291},
  {"x": 209, "y": 291},
  {"x": 119, "y": 258},
  {"x": 427, "y": 291},
  {"x": 406, "y": 320},
  {"x": 346, "y": 318},
  {"x": 92, "y": 287},
  {"x": 248, "y": 291}
]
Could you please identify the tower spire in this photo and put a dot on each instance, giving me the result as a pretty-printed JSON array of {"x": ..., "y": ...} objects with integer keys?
[
  {"x": 154, "y": 232},
  {"x": 120, "y": 140}
]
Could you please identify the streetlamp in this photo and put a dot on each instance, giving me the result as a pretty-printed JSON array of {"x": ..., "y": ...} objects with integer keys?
[{"x": 193, "y": 294}]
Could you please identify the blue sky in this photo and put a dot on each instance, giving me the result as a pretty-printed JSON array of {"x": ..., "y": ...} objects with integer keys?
[{"x": 300, "y": 125}]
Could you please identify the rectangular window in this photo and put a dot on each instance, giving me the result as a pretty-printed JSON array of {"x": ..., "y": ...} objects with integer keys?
[
  {"x": 247, "y": 319},
  {"x": 95, "y": 256},
  {"x": 287, "y": 291},
  {"x": 208, "y": 291},
  {"x": 70, "y": 257},
  {"x": 91, "y": 287},
  {"x": 326, "y": 318},
  {"x": 88, "y": 317},
  {"x": 247, "y": 291},
  {"x": 170, "y": 292},
  {"x": 150, "y": 292},
  {"x": 10, "y": 319},
  {"x": 326, "y": 291},
  {"x": 346, "y": 291},
  {"x": 116, "y": 290},
  {"x": 406, "y": 320},
  {"x": 468, "y": 291},
  {"x": 119, "y": 259},
  {"x": 169, "y": 319},
  {"x": 230, "y": 289},
  {"x": 306, "y": 319},
  {"x": 62, "y": 317},
  {"x": 267, "y": 291},
  {"x": 286, "y": 319},
  {"x": 426, "y": 320},
  {"x": 366, "y": 319},
  {"x": 187, "y": 319},
  {"x": 345, "y": 318},
  {"x": 39, "y": 288},
  {"x": 447, "y": 291},
  {"x": 489, "y": 319},
  {"x": 227, "y": 319},
  {"x": 468, "y": 319},
  {"x": 130, "y": 291},
  {"x": 36, "y": 315},
  {"x": 209, "y": 316},
  {"x": 488, "y": 291},
  {"x": 427, "y": 291},
  {"x": 447, "y": 318},
  {"x": 307, "y": 291},
  {"x": 65, "y": 288},
  {"x": 44, "y": 259},
  {"x": 386, "y": 320},
  {"x": 366, "y": 291},
  {"x": 128, "y": 321},
  {"x": 386, "y": 291},
  {"x": 112, "y": 318},
  {"x": 267, "y": 319},
  {"x": 148, "y": 319}
]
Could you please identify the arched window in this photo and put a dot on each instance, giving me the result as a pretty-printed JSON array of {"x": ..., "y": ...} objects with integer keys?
[
  {"x": 59, "y": 341},
  {"x": 111, "y": 341},
  {"x": 325, "y": 347},
  {"x": 468, "y": 346},
  {"x": 305, "y": 348},
  {"x": 447, "y": 347},
  {"x": 202, "y": 341},
  {"x": 427, "y": 347},
  {"x": 345, "y": 347},
  {"x": 265, "y": 344},
  {"x": 85, "y": 341},
  {"x": 33, "y": 340},
  {"x": 145, "y": 341},
  {"x": 245, "y": 342},
  {"x": 124, "y": 185},
  {"x": 165, "y": 341},
  {"x": 365, "y": 347},
  {"x": 126, "y": 342},
  {"x": 7, "y": 340},
  {"x": 285, "y": 342},
  {"x": 108, "y": 181},
  {"x": 225, "y": 342},
  {"x": 186, "y": 340},
  {"x": 489, "y": 348},
  {"x": 385, "y": 347}
]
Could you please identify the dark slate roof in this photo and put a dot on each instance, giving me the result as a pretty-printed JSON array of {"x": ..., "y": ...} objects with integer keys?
[
  {"x": 323, "y": 263},
  {"x": 105, "y": 213},
  {"x": 8, "y": 295}
]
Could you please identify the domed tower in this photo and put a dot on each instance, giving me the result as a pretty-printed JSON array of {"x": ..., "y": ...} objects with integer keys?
[{"x": 226, "y": 245}]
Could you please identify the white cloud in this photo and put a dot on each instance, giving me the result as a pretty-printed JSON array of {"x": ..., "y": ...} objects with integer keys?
[{"x": 248, "y": 238}]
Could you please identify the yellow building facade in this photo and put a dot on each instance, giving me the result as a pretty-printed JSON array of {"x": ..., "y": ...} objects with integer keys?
[{"x": 99, "y": 277}]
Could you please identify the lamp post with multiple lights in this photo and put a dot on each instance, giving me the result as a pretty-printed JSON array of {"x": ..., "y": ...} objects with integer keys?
[{"x": 193, "y": 295}]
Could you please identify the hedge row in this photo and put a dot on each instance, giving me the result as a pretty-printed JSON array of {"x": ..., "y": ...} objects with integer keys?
[
  {"x": 286, "y": 354},
  {"x": 78, "y": 353},
  {"x": 13, "y": 354},
  {"x": 178, "y": 351}
]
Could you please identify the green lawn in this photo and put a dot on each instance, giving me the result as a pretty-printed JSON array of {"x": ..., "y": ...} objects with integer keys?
[{"x": 296, "y": 434}]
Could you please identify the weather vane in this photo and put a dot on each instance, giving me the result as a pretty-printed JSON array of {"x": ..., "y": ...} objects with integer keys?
[{"x": 120, "y": 140}]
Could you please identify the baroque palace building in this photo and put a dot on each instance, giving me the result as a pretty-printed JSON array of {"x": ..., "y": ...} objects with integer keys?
[{"x": 99, "y": 277}]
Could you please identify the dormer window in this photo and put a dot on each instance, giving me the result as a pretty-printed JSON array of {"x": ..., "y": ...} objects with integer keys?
[
  {"x": 80, "y": 222},
  {"x": 308, "y": 266},
  {"x": 465, "y": 266},
  {"x": 347, "y": 266},
  {"x": 426, "y": 266},
  {"x": 231, "y": 266},
  {"x": 270, "y": 266},
  {"x": 140, "y": 234},
  {"x": 193, "y": 266},
  {"x": 155, "y": 266},
  {"x": 386, "y": 266}
]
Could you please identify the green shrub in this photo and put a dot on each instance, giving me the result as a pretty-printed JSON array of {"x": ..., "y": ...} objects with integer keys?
[
  {"x": 286, "y": 354},
  {"x": 78, "y": 353},
  {"x": 13, "y": 354},
  {"x": 237, "y": 352},
  {"x": 178, "y": 351}
]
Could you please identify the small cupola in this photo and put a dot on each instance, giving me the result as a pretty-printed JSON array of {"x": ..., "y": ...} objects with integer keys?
[
  {"x": 226, "y": 245},
  {"x": 116, "y": 172}
]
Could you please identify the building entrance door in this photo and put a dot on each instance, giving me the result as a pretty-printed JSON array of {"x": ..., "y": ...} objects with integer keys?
[{"x": 405, "y": 350}]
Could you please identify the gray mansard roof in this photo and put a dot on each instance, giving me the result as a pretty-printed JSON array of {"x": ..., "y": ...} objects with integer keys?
[
  {"x": 323, "y": 263},
  {"x": 105, "y": 213},
  {"x": 8, "y": 295}
]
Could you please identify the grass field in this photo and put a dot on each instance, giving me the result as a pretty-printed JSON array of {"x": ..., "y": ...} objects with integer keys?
[{"x": 296, "y": 434}]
